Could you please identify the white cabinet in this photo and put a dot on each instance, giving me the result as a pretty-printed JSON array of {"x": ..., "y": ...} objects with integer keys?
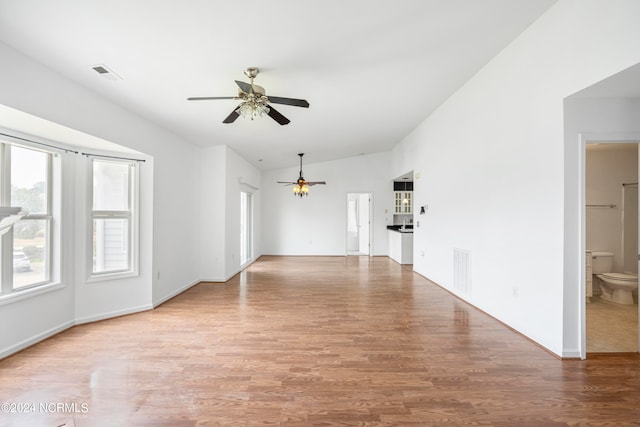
[
  {"x": 398, "y": 206},
  {"x": 401, "y": 247}
]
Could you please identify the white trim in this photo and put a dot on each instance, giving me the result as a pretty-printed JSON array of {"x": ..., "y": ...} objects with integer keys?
[
  {"x": 232, "y": 274},
  {"x": 112, "y": 314},
  {"x": 132, "y": 215},
  {"x": 175, "y": 293},
  {"x": 30, "y": 292},
  {"x": 584, "y": 139},
  {"x": 7, "y": 241},
  {"x": 243, "y": 266},
  {"x": 346, "y": 232},
  {"x": 203, "y": 279},
  {"x": 223, "y": 279},
  {"x": 63, "y": 327},
  {"x": 5, "y": 352},
  {"x": 574, "y": 354},
  {"x": 103, "y": 277}
]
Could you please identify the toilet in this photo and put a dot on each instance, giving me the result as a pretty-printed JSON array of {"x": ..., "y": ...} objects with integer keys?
[{"x": 616, "y": 287}]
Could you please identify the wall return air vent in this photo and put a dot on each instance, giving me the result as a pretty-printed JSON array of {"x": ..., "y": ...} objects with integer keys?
[{"x": 462, "y": 272}]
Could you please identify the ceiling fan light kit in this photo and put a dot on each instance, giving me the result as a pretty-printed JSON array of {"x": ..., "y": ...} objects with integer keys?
[
  {"x": 300, "y": 185},
  {"x": 255, "y": 102},
  {"x": 254, "y": 106},
  {"x": 301, "y": 190}
]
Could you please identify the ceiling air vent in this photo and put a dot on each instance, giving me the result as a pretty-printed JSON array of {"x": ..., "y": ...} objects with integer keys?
[{"x": 106, "y": 72}]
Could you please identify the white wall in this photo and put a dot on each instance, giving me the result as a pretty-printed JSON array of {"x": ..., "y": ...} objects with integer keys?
[
  {"x": 212, "y": 215},
  {"x": 29, "y": 320},
  {"x": 169, "y": 255},
  {"x": 190, "y": 207},
  {"x": 224, "y": 175},
  {"x": 317, "y": 224},
  {"x": 102, "y": 299},
  {"x": 240, "y": 176},
  {"x": 492, "y": 167}
]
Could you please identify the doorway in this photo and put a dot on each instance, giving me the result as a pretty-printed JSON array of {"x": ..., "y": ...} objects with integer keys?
[
  {"x": 611, "y": 234},
  {"x": 246, "y": 227},
  {"x": 359, "y": 224}
]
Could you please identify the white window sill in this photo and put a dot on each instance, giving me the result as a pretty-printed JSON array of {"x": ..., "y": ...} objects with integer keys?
[
  {"x": 112, "y": 276},
  {"x": 20, "y": 295}
]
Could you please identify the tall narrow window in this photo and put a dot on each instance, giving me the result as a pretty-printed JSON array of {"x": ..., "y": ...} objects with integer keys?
[
  {"x": 30, "y": 189},
  {"x": 113, "y": 217}
]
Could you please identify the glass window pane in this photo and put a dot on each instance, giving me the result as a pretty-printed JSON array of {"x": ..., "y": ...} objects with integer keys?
[
  {"x": 29, "y": 180},
  {"x": 110, "y": 186},
  {"x": 30, "y": 250},
  {"x": 110, "y": 245}
]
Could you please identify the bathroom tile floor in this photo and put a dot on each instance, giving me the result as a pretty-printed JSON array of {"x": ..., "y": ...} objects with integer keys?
[{"x": 602, "y": 337}]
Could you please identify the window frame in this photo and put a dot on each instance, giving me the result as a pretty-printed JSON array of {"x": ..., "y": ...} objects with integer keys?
[
  {"x": 132, "y": 215},
  {"x": 7, "y": 289}
]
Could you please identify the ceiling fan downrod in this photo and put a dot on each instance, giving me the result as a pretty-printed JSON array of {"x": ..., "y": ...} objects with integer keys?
[{"x": 251, "y": 72}]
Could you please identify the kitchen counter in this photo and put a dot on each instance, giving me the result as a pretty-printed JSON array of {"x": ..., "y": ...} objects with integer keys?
[
  {"x": 401, "y": 245},
  {"x": 400, "y": 229}
]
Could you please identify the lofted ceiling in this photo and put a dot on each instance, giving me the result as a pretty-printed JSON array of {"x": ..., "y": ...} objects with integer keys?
[{"x": 372, "y": 70}]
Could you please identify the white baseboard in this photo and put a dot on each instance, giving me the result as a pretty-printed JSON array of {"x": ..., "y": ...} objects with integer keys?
[
  {"x": 103, "y": 316},
  {"x": 174, "y": 293},
  {"x": 111, "y": 314},
  {"x": 35, "y": 339},
  {"x": 230, "y": 275},
  {"x": 5, "y": 352},
  {"x": 218, "y": 279},
  {"x": 572, "y": 354}
]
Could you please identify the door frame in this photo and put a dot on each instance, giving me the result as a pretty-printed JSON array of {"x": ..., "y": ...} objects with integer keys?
[
  {"x": 591, "y": 138},
  {"x": 346, "y": 228},
  {"x": 246, "y": 227}
]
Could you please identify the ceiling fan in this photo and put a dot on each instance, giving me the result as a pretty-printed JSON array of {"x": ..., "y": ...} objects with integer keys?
[
  {"x": 301, "y": 186},
  {"x": 255, "y": 102}
]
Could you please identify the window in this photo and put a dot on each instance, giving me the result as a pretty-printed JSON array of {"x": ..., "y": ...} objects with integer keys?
[
  {"x": 113, "y": 218},
  {"x": 26, "y": 176}
]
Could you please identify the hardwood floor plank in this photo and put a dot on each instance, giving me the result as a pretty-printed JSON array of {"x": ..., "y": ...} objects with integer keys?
[{"x": 314, "y": 341}]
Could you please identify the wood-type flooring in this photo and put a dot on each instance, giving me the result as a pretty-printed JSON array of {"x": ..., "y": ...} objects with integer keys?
[{"x": 312, "y": 341}]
